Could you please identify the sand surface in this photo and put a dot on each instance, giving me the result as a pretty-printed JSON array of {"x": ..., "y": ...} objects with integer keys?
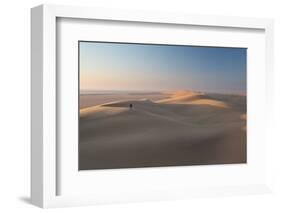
[
  {"x": 162, "y": 129},
  {"x": 89, "y": 100}
]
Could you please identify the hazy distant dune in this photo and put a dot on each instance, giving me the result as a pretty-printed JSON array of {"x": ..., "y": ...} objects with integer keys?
[{"x": 181, "y": 128}]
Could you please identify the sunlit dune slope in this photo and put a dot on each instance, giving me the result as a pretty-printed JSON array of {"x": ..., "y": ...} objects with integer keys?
[
  {"x": 99, "y": 111},
  {"x": 189, "y": 97}
]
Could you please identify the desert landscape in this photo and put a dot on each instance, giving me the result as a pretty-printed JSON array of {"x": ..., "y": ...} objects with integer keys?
[
  {"x": 167, "y": 128},
  {"x": 153, "y": 105}
]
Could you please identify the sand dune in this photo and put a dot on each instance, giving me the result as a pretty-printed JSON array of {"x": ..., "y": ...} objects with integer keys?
[
  {"x": 89, "y": 100},
  {"x": 193, "y": 98},
  {"x": 182, "y": 128},
  {"x": 99, "y": 111}
]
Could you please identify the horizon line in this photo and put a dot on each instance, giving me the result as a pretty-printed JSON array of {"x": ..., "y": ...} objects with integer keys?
[{"x": 164, "y": 90}]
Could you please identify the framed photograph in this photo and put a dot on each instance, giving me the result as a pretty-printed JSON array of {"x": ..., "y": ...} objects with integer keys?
[{"x": 130, "y": 106}]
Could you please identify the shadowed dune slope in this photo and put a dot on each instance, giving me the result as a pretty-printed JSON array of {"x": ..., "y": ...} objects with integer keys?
[{"x": 187, "y": 128}]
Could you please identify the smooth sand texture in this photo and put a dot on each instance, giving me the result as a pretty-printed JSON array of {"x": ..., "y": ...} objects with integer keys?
[
  {"x": 89, "y": 100},
  {"x": 162, "y": 129}
]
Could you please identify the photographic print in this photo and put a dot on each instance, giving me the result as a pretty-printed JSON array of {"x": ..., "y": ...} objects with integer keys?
[{"x": 152, "y": 105}]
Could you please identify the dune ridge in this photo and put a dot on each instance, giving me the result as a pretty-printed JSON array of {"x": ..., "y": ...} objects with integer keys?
[{"x": 189, "y": 97}]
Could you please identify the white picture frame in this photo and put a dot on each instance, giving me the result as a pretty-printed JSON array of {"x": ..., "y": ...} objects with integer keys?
[{"x": 45, "y": 169}]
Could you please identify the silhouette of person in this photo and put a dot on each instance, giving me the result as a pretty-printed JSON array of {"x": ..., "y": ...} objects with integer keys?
[{"x": 131, "y": 106}]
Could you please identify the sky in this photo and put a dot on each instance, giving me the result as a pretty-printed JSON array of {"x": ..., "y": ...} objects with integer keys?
[{"x": 152, "y": 67}]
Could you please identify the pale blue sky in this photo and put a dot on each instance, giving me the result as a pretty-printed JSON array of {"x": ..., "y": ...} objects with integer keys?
[{"x": 122, "y": 66}]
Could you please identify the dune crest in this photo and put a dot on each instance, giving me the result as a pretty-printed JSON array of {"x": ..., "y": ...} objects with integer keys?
[
  {"x": 100, "y": 111},
  {"x": 190, "y": 97},
  {"x": 209, "y": 102}
]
